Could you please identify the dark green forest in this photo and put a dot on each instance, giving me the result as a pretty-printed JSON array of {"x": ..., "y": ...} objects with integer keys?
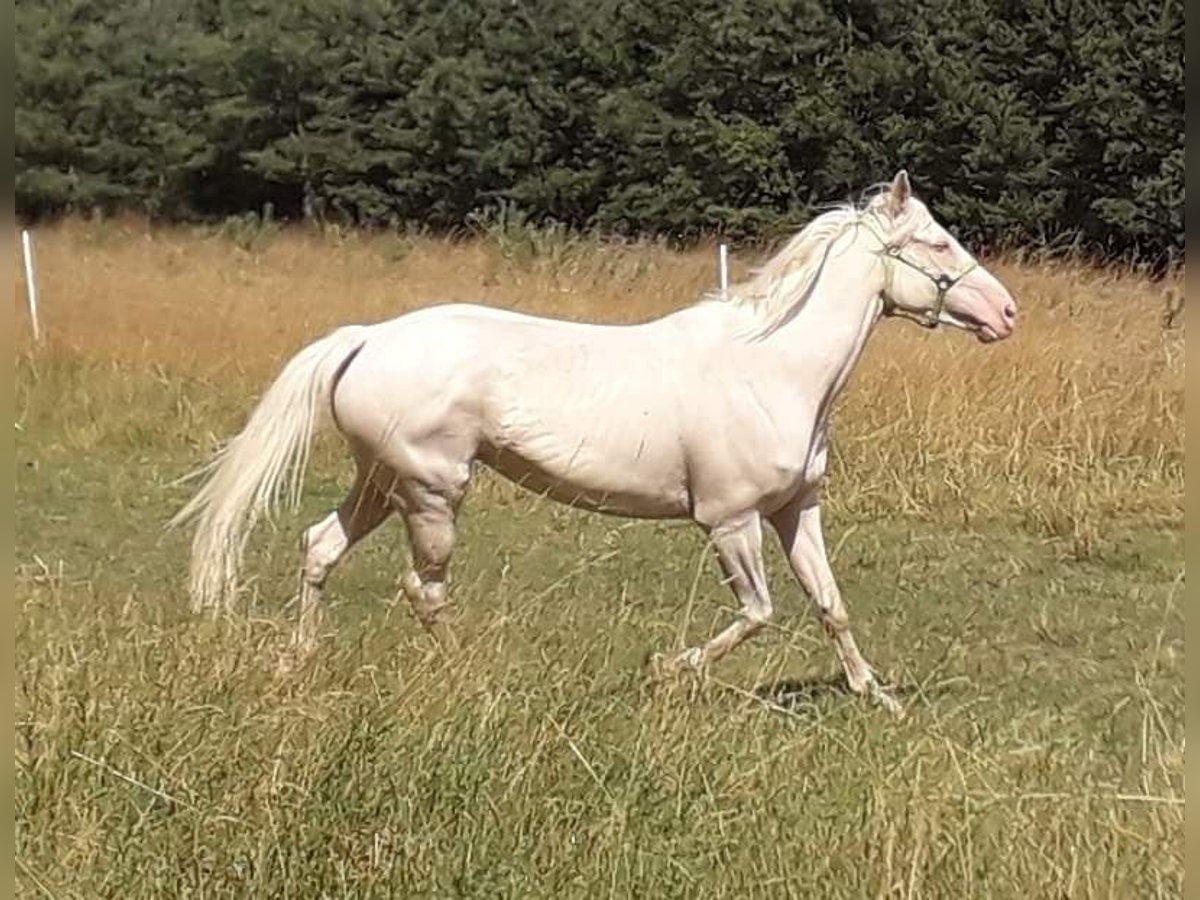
[{"x": 1039, "y": 122}]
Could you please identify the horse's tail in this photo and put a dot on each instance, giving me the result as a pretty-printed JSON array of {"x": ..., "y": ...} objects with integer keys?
[{"x": 250, "y": 473}]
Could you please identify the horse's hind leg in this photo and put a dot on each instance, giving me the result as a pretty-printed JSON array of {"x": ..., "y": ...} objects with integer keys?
[
  {"x": 430, "y": 520},
  {"x": 326, "y": 542},
  {"x": 739, "y": 549}
]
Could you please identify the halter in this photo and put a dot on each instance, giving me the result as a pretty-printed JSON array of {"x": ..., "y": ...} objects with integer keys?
[{"x": 927, "y": 318}]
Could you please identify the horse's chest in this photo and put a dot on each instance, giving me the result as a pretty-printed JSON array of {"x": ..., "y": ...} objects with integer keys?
[
  {"x": 818, "y": 455},
  {"x": 796, "y": 469}
]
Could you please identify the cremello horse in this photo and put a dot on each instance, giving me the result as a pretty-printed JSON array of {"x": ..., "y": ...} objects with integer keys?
[{"x": 716, "y": 413}]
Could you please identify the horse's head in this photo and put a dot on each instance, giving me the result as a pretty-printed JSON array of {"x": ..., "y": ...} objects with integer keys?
[{"x": 927, "y": 273}]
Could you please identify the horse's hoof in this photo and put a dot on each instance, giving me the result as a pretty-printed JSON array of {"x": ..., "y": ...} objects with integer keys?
[
  {"x": 661, "y": 669},
  {"x": 655, "y": 668},
  {"x": 885, "y": 699}
]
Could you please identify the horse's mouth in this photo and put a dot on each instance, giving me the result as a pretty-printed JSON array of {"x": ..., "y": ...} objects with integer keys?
[{"x": 967, "y": 322}]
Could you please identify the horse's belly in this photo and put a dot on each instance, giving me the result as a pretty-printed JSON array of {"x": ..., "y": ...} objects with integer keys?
[{"x": 613, "y": 479}]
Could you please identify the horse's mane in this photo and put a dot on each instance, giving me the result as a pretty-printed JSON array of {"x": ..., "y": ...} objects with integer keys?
[{"x": 778, "y": 289}]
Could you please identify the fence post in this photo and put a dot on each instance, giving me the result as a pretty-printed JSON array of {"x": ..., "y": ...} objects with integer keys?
[
  {"x": 723, "y": 267},
  {"x": 31, "y": 283}
]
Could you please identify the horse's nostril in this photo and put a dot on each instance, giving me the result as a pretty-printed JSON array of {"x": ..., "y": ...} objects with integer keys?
[{"x": 1010, "y": 312}]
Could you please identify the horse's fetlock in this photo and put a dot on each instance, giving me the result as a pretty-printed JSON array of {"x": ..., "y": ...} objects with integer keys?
[{"x": 835, "y": 623}]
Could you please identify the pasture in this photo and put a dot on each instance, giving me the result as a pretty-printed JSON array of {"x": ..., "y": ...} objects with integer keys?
[{"x": 1005, "y": 522}]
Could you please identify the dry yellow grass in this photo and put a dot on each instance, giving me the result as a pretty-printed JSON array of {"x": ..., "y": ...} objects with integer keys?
[
  {"x": 1078, "y": 416},
  {"x": 159, "y": 755},
  {"x": 199, "y": 302}
]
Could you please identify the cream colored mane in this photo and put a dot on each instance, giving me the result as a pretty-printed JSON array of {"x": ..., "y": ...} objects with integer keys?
[{"x": 778, "y": 289}]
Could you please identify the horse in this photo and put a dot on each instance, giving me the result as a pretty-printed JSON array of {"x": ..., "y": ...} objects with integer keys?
[{"x": 717, "y": 413}]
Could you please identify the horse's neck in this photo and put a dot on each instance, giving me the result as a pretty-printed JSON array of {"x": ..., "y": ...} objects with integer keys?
[{"x": 826, "y": 338}]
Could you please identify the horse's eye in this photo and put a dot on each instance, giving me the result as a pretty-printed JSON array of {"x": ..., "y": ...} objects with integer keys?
[{"x": 941, "y": 246}]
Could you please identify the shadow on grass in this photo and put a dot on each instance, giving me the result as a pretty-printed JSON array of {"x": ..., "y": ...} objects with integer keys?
[{"x": 791, "y": 693}]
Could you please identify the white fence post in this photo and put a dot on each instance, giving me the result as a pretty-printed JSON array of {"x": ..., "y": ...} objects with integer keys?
[
  {"x": 31, "y": 283},
  {"x": 723, "y": 267}
]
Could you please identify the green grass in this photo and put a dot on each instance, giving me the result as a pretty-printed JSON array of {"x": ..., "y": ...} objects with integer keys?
[{"x": 161, "y": 755}]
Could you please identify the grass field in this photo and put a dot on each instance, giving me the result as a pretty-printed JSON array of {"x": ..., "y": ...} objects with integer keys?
[{"x": 1007, "y": 531}]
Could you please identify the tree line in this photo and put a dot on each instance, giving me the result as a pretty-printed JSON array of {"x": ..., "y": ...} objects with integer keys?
[{"x": 1021, "y": 121}]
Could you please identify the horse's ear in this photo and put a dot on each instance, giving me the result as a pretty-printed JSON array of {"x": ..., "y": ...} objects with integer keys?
[{"x": 899, "y": 193}]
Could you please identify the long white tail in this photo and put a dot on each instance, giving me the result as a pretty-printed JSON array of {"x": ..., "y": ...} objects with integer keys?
[{"x": 248, "y": 475}]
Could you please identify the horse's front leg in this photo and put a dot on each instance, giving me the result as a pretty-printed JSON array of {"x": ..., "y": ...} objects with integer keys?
[
  {"x": 738, "y": 543},
  {"x": 799, "y": 527}
]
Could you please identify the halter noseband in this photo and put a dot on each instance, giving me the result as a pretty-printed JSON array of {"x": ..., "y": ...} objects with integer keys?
[{"x": 928, "y": 318}]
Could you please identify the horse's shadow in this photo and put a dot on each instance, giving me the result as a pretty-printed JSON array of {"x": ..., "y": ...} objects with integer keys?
[{"x": 792, "y": 693}]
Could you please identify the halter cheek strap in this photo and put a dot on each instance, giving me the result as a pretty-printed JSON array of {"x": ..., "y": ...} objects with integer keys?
[{"x": 931, "y": 317}]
